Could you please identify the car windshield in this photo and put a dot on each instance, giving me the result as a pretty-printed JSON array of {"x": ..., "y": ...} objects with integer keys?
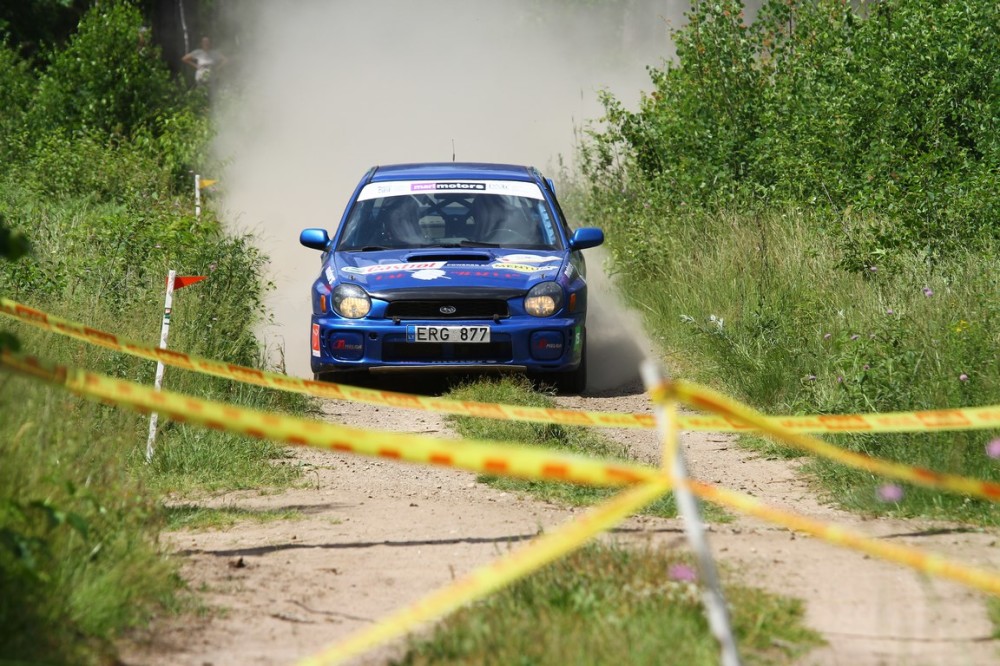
[{"x": 415, "y": 215}]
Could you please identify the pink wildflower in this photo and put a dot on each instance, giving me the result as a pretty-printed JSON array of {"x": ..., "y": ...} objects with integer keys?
[
  {"x": 993, "y": 448},
  {"x": 890, "y": 492},
  {"x": 682, "y": 573}
]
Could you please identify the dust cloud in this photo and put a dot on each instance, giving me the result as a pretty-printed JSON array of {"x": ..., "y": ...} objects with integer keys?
[{"x": 321, "y": 91}]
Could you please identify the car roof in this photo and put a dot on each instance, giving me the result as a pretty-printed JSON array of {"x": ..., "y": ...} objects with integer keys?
[{"x": 451, "y": 171}]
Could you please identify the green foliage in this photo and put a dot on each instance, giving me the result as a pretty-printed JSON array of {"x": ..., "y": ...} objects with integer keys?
[
  {"x": 33, "y": 23},
  {"x": 759, "y": 304},
  {"x": 806, "y": 207},
  {"x": 103, "y": 81},
  {"x": 96, "y": 148},
  {"x": 17, "y": 85},
  {"x": 76, "y": 560},
  {"x": 890, "y": 107}
]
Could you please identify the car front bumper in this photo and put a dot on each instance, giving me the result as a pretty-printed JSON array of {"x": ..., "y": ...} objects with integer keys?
[{"x": 516, "y": 344}]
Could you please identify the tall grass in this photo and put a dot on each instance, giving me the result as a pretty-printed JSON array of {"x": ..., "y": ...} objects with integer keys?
[
  {"x": 760, "y": 304},
  {"x": 80, "y": 510},
  {"x": 98, "y": 141}
]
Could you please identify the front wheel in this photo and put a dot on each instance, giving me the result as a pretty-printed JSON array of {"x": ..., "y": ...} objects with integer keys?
[{"x": 574, "y": 382}]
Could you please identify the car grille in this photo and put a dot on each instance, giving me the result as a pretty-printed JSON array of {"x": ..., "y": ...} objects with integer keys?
[
  {"x": 446, "y": 352},
  {"x": 464, "y": 309}
]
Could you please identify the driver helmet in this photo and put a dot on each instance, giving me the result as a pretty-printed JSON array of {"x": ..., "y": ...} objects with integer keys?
[
  {"x": 402, "y": 224},
  {"x": 488, "y": 212}
]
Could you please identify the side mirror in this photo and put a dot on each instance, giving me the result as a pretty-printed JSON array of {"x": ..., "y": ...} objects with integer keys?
[
  {"x": 586, "y": 237},
  {"x": 317, "y": 239}
]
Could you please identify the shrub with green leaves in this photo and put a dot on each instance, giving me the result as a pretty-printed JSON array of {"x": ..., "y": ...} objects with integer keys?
[
  {"x": 104, "y": 81},
  {"x": 890, "y": 107}
]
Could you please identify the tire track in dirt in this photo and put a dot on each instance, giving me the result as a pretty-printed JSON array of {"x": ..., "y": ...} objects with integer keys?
[{"x": 375, "y": 536}]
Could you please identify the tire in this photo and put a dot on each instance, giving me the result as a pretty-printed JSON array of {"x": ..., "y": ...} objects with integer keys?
[{"x": 574, "y": 382}]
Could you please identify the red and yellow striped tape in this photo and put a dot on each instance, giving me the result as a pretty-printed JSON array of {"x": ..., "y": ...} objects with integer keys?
[
  {"x": 977, "y": 418},
  {"x": 701, "y": 397},
  {"x": 476, "y": 456}
]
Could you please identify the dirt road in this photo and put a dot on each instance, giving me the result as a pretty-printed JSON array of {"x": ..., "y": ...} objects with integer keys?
[{"x": 376, "y": 535}]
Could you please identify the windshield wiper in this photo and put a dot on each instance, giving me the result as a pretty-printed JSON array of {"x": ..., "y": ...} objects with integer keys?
[{"x": 372, "y": 248}]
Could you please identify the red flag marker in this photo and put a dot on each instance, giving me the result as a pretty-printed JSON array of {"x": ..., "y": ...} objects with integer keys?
[{"x": 186, "y": 280}]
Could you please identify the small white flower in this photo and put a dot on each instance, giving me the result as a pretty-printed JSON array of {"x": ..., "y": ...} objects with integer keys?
[{"x": 686, "y": 319}]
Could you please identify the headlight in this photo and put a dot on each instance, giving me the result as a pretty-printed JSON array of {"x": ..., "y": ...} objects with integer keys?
[
  {"x": 351, "y": 301},
  {"x": 543, "y": 299}
]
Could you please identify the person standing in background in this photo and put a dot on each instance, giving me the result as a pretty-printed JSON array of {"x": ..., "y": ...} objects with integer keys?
[{"x": 204, "y": 60}]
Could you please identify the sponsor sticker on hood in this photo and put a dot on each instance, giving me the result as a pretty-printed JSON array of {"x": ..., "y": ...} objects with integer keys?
[
  {"x": 395, "y": 268},
  {"x": 523, "y": 268},
  {"x": 527, "y": 259}
]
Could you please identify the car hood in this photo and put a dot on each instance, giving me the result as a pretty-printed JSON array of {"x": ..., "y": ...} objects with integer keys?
[{"x": 445, "y": 268}]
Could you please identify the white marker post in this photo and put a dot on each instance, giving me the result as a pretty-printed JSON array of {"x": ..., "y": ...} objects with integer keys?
[
  {"x": 673, "y": 463},
  {"x": 197, "y": 195},
  {"x": 164, "y": 330},
  {"x": 173, "y": 281}
]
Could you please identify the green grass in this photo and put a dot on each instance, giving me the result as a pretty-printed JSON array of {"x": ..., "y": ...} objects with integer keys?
[
  {"x": 571, "y": 439},
  {"x": 993, "y": 609},
  {"x": 80, "y": 510},
  {"x": 611, "y": 605},
  {"x": 760, "y": 306},
  {"x": 195, "y": 517}
]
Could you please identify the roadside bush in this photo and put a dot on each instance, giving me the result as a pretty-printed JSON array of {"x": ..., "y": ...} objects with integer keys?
[
  {"x": 17, "y": 85},
  {"x": 104, "y": 81},
  {"x": 889, "y": 107}
]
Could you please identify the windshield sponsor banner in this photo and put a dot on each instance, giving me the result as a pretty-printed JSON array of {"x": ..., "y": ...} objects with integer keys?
[{"x": 399, "y": 188}]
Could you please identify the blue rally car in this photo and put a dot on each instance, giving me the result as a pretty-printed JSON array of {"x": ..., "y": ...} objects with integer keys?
[{"x": 452, "y": 266}]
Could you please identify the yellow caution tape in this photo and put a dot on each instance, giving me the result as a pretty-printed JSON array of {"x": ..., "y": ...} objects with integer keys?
[
  {"x": 476, "y": 456},
  {"x": 282, "y": 382},
  {"x": 482, "y": 456},
  {"x": 928, "y": 563},
  {"x": 976, "y": 418},
  {"x": 481, "y": 582},
  {"x": 966, "y": 418},
  {"x": 707, "y": 399},
  {"x": 693, "y": 395}
]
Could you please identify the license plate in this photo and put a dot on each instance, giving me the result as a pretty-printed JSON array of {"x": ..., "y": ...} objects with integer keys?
[{"x": 447, "y": 333}]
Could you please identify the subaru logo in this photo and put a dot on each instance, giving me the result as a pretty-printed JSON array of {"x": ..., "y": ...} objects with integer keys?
[{"x": 447, "y": 309}]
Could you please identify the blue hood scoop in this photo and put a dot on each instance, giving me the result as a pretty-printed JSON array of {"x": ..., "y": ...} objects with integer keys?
[{"x": 463, "y": 257}]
